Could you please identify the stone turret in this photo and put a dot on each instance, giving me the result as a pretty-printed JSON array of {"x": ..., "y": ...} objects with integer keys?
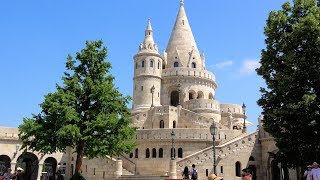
[{"x": 147, "y": 74}]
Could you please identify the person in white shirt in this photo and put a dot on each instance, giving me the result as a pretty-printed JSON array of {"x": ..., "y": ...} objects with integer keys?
[
  {"x": 315, "y": 172},
  {"x": 307, "y": 173}
]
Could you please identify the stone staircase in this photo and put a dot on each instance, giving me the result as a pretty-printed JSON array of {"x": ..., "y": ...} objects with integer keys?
[{"x": 139, "y": 177}]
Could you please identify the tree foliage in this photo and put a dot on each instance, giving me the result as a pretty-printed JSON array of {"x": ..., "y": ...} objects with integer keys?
[
  {"x": 290, "y": 65},
  {"x": 86, "y": 113}
]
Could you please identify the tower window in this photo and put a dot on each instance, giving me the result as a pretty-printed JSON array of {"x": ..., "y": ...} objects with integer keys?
[
  {"x": 182, "y": 22},
  {"x": 136, "y": 65},
  {"x": 174, "y": 124},
  {"x": 158, "y": 64},
  {"x": 154, "y": 153},
  {"x": 193, "y": 65},
  {"x": 136, "y": 153},
  {"x": 176, "y": 64},
  {"x": 160, "y": 153},
  {"x": 141, "y": 88},
  {"x": 221, "y": 169},
  {"x": 158, "y": 94},
  {"x": 151, "y": 63},
  {"x": 161, "y": 124},
  {"x": 238, "y": 169},
  {"x": 180, "y": 153},
  {"x": 147, "y": 153},
  {"x": 142, "y": 65}
]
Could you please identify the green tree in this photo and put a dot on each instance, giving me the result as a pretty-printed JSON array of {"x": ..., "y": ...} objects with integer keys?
[
  {"x": 290, "y": 65},
  {"x": 86, "y": 113}
]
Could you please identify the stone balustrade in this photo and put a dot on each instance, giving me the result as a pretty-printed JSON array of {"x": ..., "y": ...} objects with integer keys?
[
  {"x": 195, "y": 104},
  {"x": 233, "y": 108},
  {"x": 180, "y": 71}
]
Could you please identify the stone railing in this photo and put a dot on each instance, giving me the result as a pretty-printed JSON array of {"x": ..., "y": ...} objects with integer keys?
[
  {"x": 222, "y": 150},
  {"x": 181, "y": 134},
  {"x": 195, "y": 104},
  {"x": 128, "y": 164},
  {"x": 233, "y": 108},
  {"x": 180, "y": 71}
]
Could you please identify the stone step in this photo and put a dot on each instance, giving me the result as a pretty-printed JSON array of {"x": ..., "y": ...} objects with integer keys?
[
  {"x": 140, "y": 177},
  {"x": 126, "y": 172}
]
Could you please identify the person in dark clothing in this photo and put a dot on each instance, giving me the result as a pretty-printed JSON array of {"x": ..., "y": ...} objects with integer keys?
[{"x": 185, "y": 173}]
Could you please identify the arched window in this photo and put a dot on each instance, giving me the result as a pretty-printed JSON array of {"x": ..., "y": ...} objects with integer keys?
[
  {"x": 174, "y": 98},
  {"x": 193, "y": 65},
  {"x": 174, "y": 124},
  {"x": 154, "y": 153},
  {"x": 160, "y": 153},
  {"x": 142, "y": 65},
  {"x": 180, "y": 153},
  {"x": 200, "y": 95},
  {"x": 251, "y": 158},
  {"x": 158, "y": 64},
  {"x": 147, "y": 153},
  {"x": 151, "y": 63},
  {"x": 163, "y": 66},
  {"x": 131, "y": 155},
  {"x": 173, "y": 153},
  {"x": 137, "y": 153},
  {"x": 210, "y": 96},
  {"x": 238, "y": 169},
  {"x": 161, "y": 124},
  {"x": 176, "y": 64},
  {"x": 192, "y": 95},
  {"x": 136, "y": 65}
]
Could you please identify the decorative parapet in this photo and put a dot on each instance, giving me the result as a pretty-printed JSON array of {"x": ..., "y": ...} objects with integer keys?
[
  {"x": 233, "y": 108},
  {"x": 202, "y": 104},
  {"x": 9, "y": 133},
  {"x": 192, "y": 72}
]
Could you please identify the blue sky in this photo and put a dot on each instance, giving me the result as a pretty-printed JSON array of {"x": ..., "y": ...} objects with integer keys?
[{"x": 36, "y": 37}]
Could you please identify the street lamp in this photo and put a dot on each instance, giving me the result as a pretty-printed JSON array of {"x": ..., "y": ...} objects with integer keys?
[
  {"x": 172, "y": 148},
  {"x": 152, "y": 91},
  {"x": 244, "y": 118},
  {"x": 214, "y": 131}
]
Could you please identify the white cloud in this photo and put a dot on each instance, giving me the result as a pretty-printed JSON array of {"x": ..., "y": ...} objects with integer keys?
[
  {"x": 249, "y": 66},
  {"x": 223, "y": 64}
]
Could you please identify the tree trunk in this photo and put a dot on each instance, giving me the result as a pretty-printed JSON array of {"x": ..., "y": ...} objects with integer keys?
[{"x": 80, "y": 152}]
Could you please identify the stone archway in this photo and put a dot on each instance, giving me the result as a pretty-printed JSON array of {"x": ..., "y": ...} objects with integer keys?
[
  {"x": 5, "y": 163},
  {"x": 50, "y": 166},
  {"x": 30, "y": 163},
  {"x": 174, "y": 98}
]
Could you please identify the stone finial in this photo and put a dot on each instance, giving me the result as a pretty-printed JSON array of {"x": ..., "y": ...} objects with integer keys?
[{"x": 181, "y": 2}]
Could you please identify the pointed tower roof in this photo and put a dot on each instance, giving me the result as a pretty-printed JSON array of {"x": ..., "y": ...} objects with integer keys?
[
  {"x": 182, "y": 39},
  {"x": 148, "y": 44}
]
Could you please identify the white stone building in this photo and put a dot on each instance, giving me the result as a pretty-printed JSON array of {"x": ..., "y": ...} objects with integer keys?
[{"x": 173, "y": 93}]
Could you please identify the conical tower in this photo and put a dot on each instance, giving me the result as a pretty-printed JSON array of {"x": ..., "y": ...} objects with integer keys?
[{"x": 147, "y": 74}]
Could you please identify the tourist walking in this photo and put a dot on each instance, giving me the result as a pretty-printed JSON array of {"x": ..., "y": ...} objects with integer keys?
[
  {"x": 8, "y": 174},
  {"x": 315, "y": 172},
  {"x": 194, "y": 172},
  {"x": 19, "y": 174},
  {"x": 307, "y": 173},
  {"x": 185, "y": 173}
]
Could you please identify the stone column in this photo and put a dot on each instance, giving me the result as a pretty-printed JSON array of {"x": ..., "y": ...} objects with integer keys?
[
  {"x": 118, "y": 171},
  {"x": 40, "y": 171},
  {"x": 173, "y": 169}
]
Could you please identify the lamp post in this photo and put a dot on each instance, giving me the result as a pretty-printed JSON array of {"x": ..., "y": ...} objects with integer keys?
[
  {"x": 214, "y": 131},
  {"x": 172, "y": 148},
  {"x": 152, "y": 91},
  {"x": 179, "y": 90},
  {"x": 244, "y": 118}
]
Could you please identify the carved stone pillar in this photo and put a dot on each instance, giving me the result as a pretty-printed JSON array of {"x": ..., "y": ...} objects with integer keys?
[{"x": 173, "y": 169}]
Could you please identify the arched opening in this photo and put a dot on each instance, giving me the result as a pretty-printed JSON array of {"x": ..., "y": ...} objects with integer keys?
[
  {"x": 30, "y": 163},
  {"x": 173, "y": 153},
  {"x": 147, "y": 153},
  {"x": 158, "y": 64},
  {"x": 161, "y": 124},
  {"x": 180, "y": 153},
  {"x": 175, "y": 64},
  {"x": 174, "y": 124},
  {"x": 200, "y": 95},
  {"x": 151, "y": 63},
  {"x": 163, "y": 66},
  {"x": 210, "y": 96},
  {"x": 174, "y": 98},
  {"x": 154, "y": 153},
  {"x": 193, "y": 65},
  {"x": 160, "y": 153},
  {"x": 5, "y": 163},
  {"x": 50, "y": 166},
  {"x": 192, "y": 94},
  {"x": 142, "y": 64},
  {"x": 238, "y": 169},
  {"x": 251, "y": 158},
  {"x": 137, "y": 153},
  {"x": 131, "y": 155}
]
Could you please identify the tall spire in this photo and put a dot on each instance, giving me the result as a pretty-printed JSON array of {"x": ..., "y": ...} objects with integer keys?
[
  {"x": 182, "y": 40},
  {"x": 148, "y": 44}
]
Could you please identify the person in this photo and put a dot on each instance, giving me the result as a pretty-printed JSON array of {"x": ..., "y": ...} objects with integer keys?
[
  {"x": 194, "y": 172},
  {"x": 8, "y": 174},
  {"x": 19, "y": 174},
  {"x": 214, "y": 177},
  {"x": 246, "y": 174},
  {"x": 315, "y": 172},
  {"x": 185, "y": 173},
  {"x": 59, "y": 175},
  {"x": 307, "y": 173}
]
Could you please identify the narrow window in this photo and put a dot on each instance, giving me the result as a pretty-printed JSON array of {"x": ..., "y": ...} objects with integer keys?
[
  {"x": 161, "y": 124},
  {"x": 182, "y": 22},
  {"x": 141, "y": 88},
  {"x": 238, "y": 169},
  {"x": 154, "y": 153},
  {"x": 193, "y": 65},
  {"x": 160, "y": 153},
  {"x": 158, "y": 94},
  {"x": 158, "y": 64},
  {"x": 151, "y": 63},
  {"x": 137, "y": 153},
  {"x": 142, "y": 65},
  {"x": 173, "y": 153},
  {"x": 176, "y": 64},
  {"x": 147, "y": 153},
  {"x": 207, "y": 172},
  {"x": 94, "y": 171},
  {"x": 174, "y": 124},
  {"x": 131, "y": 155},
  {"x": 221, "y": 169},
  {"x": 180, "y": 153},
  {"x": 251, "y": 158},
  {"x": 163, "y": 66},
  {"x": 136, "y": 65}
]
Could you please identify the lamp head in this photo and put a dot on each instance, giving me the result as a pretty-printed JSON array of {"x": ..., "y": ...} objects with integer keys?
[
  {"x": 213, "y": 129},
  {"x": 244, "y": 108}
]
